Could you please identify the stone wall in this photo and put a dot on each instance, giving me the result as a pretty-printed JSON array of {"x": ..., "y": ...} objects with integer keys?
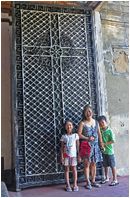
[{"x": 115, "y": 29}]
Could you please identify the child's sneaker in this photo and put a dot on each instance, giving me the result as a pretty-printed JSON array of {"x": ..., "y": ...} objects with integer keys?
[
  {"x": 114, "y": 183},
  {"x": 68, "y": 189},
  {"x": 105, "y": 181},
  {"x": 76, "y": 189}
]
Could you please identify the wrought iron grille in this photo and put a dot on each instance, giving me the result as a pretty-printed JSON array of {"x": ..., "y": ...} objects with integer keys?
[{"x": 55, "y": 79}]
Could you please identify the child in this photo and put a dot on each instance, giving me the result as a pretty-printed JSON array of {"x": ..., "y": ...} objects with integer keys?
[
  {"x": 108, "y": 151},
  {"x": 69, "y": 149}
]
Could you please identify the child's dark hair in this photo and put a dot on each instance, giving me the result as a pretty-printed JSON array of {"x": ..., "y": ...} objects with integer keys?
[
  {"x": 102, "y": 117},
  {"x": 68, "y": 120},
  {"x": 84, "y": 109}
]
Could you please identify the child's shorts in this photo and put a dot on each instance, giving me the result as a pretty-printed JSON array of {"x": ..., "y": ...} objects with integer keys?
[
  {"x": 108, "y": 160},
  {"x": 70, "y": 161}
]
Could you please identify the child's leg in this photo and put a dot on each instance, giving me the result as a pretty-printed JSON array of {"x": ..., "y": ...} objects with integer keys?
[
  {"x": 106, "y": 165},
  {"x": 114, "y": 182},
  {"x": 74, "y": 170},
  {"x": 67, "y": 175},
  {"x": 106, "y": 173},
  {"x": 114, "y": 173},
  {"x": 113, "y": 167},
  {"x": 106, "y": 177}
]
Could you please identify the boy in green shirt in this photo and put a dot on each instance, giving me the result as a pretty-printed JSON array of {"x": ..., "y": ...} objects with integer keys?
[{"x": 108, "y": 150}]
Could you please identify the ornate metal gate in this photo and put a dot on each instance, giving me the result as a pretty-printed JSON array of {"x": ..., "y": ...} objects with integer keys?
[{"x": 54, "y": 79}]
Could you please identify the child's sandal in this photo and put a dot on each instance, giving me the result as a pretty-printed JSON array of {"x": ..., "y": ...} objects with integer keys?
[{"x": 88, "y": 186}]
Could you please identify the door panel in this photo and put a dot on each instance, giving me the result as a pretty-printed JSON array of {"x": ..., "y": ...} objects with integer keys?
[{"x": 54, "y": 79}]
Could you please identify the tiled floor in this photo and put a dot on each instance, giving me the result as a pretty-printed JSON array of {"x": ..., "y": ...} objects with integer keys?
[{"x": 121, "y": 190}]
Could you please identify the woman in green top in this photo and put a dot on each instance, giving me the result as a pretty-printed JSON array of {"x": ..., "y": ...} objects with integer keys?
[{"x": 108, "y": 150}]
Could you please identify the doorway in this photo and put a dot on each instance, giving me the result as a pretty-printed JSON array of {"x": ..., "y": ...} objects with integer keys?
[{"x": 54, "y": 79}]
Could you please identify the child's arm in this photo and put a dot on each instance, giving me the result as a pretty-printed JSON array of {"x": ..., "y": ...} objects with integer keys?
[
  {"x": 77, "y": 146},
  {"x": 110, "y": 142},
  {"x": 111, "y": 138},
  {"x": 100, "y": 137},
  {"x": 62, "y": 151}
]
